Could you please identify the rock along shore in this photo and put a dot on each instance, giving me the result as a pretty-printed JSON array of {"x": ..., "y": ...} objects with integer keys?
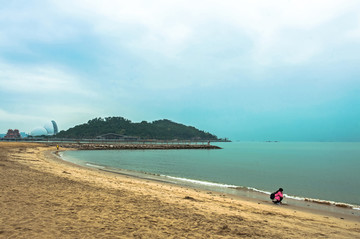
[{"x": 101, "y": 146}]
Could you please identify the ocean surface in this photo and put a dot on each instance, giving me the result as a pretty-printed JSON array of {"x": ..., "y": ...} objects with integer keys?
[{"x": 328, "y": 172}]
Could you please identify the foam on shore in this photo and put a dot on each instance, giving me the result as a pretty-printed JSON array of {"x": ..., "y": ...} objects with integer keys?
[{"x": 212, "y": 184}]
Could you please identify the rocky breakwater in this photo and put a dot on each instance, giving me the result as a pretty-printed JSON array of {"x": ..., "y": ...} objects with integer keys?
[{"x": 99, "y": 146}]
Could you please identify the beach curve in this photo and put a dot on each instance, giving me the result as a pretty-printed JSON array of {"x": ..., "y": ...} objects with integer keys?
[{"x": 44, "y": 196}]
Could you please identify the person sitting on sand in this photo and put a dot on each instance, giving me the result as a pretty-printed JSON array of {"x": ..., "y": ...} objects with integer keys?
[{"x": 278, "y": 196}]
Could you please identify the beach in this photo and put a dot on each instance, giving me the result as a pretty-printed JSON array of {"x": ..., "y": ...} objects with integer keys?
[{"x": 46, "y": 197}]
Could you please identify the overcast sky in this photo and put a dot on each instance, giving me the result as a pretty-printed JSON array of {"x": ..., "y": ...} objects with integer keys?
[{"x": 246, "y": 70}]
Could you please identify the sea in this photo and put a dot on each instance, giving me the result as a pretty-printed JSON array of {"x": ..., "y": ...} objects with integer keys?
[{"x": 324, "y": 173}]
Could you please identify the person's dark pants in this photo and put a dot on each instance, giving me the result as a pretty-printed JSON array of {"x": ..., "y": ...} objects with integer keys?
[{"x": 277, "y": 201}]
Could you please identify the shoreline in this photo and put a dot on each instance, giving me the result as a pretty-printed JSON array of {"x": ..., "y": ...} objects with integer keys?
[
  {"x": 44, "y": 196},
  {"x": 317, "y": 206},
  {"x": 305, "y": 202}
]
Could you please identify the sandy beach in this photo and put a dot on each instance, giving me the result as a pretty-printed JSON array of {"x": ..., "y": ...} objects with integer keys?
[{"x": 45, "y": 197}]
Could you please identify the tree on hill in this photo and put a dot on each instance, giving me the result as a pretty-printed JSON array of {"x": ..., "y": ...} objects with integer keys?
[{"x": 159, "y": 129}]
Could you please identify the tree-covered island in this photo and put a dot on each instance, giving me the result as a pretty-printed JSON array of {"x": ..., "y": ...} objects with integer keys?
[{"x": 159, "y": 130}]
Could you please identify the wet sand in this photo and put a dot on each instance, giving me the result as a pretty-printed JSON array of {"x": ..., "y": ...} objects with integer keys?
[{"x": 45, "y": 197}]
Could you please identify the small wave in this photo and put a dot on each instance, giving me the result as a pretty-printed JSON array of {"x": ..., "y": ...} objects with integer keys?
[
  {"x": 205, "y": 183},
  {"x": 258, "y": 190},
  {"x": 337, "y": 204},
  {"x": 94, "y": 165},
  {"x": 318, "y": 201}
]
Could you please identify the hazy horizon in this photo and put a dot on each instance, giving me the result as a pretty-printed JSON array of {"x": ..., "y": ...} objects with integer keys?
[{"x": 244, "y": 70}]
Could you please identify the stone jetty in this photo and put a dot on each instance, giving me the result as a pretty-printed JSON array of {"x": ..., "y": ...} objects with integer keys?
[{"x": 121, "y": 146}]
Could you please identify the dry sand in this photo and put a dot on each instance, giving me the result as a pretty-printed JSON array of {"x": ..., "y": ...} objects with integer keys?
[{"x": 44, "y": 197}]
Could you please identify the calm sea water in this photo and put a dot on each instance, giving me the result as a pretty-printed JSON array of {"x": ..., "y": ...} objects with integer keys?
[{"x": 326, "y": 171}]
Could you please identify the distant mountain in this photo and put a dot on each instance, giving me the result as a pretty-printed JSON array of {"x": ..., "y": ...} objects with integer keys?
[
  {"x": 2, "y": 135},
  {"x": 160, "y": 129}
]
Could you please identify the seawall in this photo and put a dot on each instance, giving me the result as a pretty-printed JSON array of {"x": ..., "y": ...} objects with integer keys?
[{"x": 122, "y": 146}]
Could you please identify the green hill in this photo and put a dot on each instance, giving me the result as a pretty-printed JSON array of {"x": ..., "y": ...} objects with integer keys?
[{"x": 160, "y": 129}]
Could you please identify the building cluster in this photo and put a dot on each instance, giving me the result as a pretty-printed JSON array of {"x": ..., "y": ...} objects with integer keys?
[
  {"x": 49, "y": 129},
  {"x": 13, "y": 134}
]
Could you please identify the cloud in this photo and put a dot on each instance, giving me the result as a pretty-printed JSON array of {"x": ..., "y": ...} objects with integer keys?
[
  {"x": 91, "y": 58},
  {"x": 39, "y": 79},
  {"x": 31, "y": 116},
  {"x": 19, "y": 120},
  {"x": 281, "y": 32},
  {"x": 168, "y": 28},
  {"x": 353, "y": 34},
  {"x": 36, "y": 22},
  {"x": 15, "y": 117}
]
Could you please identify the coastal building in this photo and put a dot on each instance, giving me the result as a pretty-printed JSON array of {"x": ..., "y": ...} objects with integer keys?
[
  {"x": 50, "y": 128},
  {"x": 39, "y": 131},
  {"x": 55, "y": 127},
  {"x": 13, "y": 134}
]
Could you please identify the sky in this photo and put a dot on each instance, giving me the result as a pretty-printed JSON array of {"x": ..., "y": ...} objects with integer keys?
[{"x": 245, "y": 70}]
